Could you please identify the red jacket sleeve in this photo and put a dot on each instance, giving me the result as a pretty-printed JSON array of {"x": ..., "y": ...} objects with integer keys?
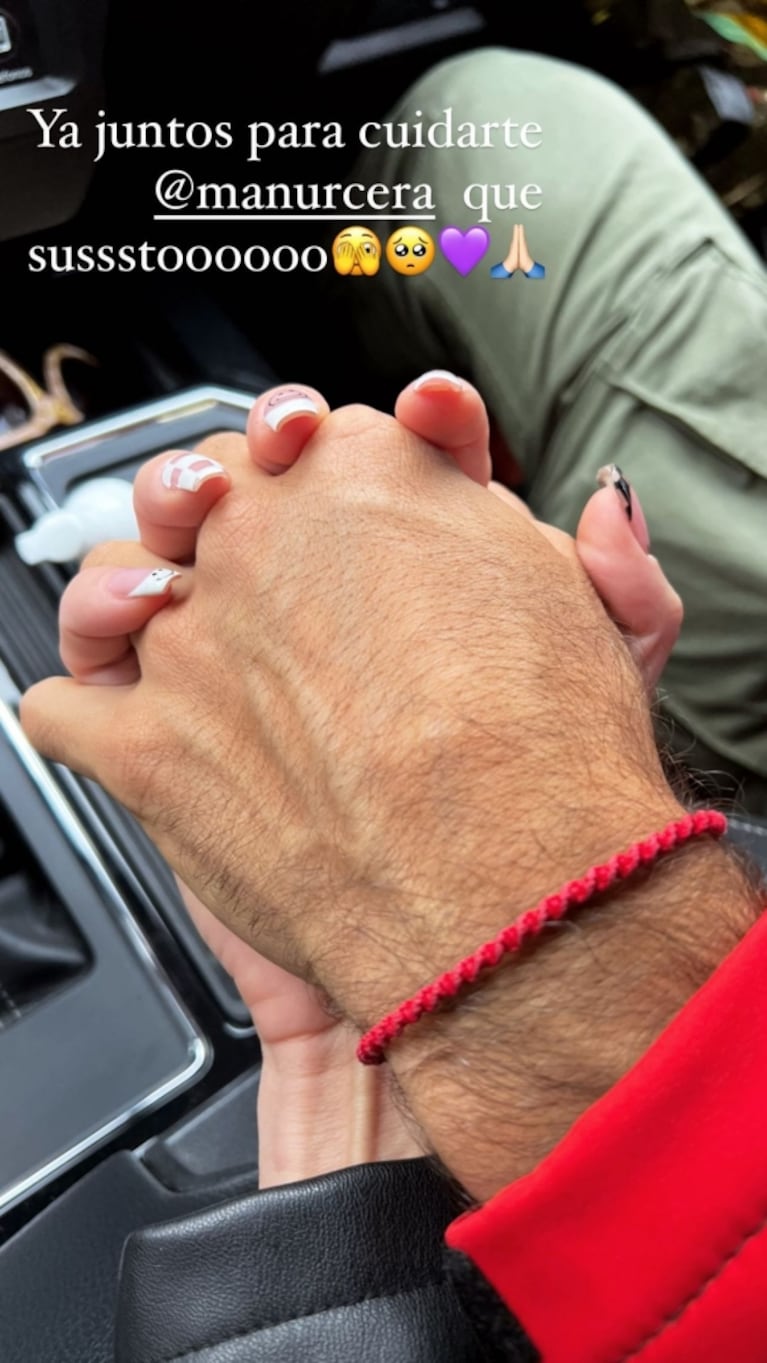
[{"x": 642, "y": 1238}]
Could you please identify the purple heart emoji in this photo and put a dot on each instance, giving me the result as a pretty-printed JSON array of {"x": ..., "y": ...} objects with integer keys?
[{"x": 464, "y": 250}]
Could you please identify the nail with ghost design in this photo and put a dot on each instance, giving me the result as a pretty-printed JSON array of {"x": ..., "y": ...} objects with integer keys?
[
  {"x": 188, "y": 472},
  {"x": 286, "y": 405},
  {"x": 133, "y": 582}
]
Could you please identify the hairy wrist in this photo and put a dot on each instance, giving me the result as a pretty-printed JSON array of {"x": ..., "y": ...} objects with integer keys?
[
  {"x": 497, "y": 1079},
  {"x": 466, "y": 884}
]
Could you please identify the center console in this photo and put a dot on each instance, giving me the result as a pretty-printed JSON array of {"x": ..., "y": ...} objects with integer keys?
[
  {"x": 129, "y": 1063},
  {"x": 92, "y": 1033}
]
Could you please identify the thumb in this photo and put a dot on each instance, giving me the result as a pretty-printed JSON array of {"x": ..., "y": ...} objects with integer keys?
[
  {"x": 631, "y": 583},
  {"x": 77, "y": 725}
]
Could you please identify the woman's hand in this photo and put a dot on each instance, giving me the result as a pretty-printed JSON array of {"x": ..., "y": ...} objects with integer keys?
[{"x": 318, "y": 1109}]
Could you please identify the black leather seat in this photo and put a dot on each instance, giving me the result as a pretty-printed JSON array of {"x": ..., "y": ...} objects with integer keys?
[{"x": 338, "y": 1269}]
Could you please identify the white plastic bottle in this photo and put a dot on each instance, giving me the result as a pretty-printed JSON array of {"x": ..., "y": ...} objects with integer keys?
[{"x": 101, "y": 509}]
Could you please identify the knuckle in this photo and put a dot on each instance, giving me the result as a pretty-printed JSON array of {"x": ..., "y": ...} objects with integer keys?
[
  {"x": 225, "y": 446},
  {"x": 34, "y": 716},
  {"x": 234, "y": 531},
  {"x": 110, "y": 554},
  {"x": 138, "y": 764},
  {"x": 356, "y": 422},
  {"x": 364, "y": 442}
]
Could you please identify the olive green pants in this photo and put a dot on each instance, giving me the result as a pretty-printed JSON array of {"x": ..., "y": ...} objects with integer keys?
[{"x": 645, "y": 345}]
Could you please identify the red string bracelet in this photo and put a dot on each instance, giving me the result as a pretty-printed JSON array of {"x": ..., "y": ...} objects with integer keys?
[{"x": 372, "y": 1048}]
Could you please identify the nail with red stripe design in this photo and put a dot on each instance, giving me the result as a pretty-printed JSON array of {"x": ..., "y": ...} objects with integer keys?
[{"x": 188, "y": 472}]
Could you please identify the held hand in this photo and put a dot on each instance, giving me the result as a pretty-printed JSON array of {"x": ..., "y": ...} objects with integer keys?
[
  {"x": 318, "y": 1110},
  {"x": 373, "y": 887},
  {"x": 299, "y": 789}
]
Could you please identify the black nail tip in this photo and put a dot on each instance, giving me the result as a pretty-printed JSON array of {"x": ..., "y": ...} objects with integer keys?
[{"x": 624, "y": 487}]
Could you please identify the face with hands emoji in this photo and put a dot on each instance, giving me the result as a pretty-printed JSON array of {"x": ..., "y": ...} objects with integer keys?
[{"x": 357, "y": 251}]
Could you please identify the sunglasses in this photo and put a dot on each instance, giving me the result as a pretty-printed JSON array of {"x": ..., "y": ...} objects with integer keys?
[{"x": 28, "y": 411}]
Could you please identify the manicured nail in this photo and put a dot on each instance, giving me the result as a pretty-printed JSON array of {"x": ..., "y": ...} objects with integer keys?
[
  {"x": 188, "y": 472},
  {"x": 288, "y": 404},
  {"x": 138, "y": 582},
  {"x": 611, "y": 476},
  {"x": 436, "y": 380}
]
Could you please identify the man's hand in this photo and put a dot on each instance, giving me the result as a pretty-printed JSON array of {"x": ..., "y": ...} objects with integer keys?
[
  {"x": 373, "y": 664},
  {"x": 382, "y": 718}
]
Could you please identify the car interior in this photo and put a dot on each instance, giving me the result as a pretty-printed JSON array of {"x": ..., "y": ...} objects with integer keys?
[{"x": 128, "y": 1065}]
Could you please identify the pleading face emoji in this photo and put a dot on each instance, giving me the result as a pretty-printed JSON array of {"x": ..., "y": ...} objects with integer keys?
[
  {"x": 357, "y": 251},
  {"x": 410, "y": 251}
]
